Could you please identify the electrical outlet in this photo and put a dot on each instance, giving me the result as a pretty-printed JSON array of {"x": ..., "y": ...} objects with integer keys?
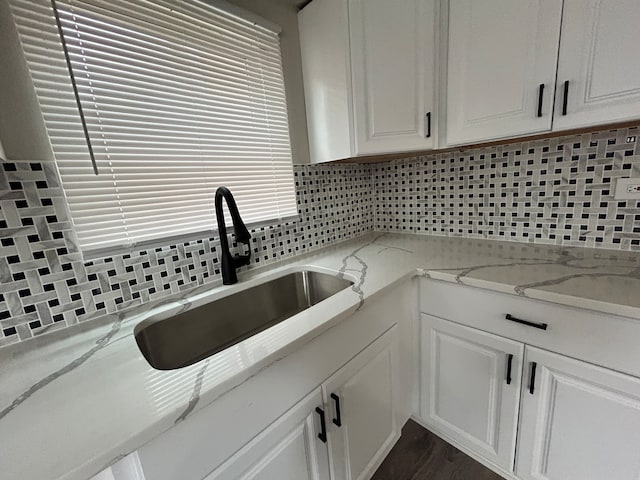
[{"x": 627, "y": 188}]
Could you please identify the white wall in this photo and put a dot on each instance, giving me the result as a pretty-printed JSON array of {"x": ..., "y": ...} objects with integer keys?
[{"x": 22, "y": 130}]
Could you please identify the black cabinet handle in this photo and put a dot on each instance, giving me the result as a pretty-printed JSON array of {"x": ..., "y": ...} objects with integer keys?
[
  {"x": 532, "y": 377},
  {"x": 428, "y": 120},
  {"x": 338, "y": 420},
  {"x": 541, "y": 326},
  {"x": 565, "y": 98},
  {"x": 509, "y": 364},
  {"x": 323, "y": 425},
  {"x": 540, "y": 97}
]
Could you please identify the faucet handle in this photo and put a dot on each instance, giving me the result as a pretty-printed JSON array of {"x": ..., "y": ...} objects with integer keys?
[{"x": 240, "y": 231}]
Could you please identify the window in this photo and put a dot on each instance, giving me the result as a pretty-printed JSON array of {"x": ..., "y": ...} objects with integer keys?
[{"x": 179, "y": 97}]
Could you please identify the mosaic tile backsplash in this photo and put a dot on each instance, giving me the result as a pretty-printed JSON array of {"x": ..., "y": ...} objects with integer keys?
[
  {"x": 45, "y": 285},
  {"x": 554, "y": 191}
]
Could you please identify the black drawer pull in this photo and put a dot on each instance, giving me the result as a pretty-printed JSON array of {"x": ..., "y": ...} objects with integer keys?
[
  {"x": 509, "y": 364},
  {"x": 565, "y": 98},
  {"x": 532, "y": 377},
  {"x": 540, "y": 96},
  {"x": 323, "y": 425},
  {"x": 338, "y": 420},
  {"x": 541, "y": 326},
  {"x": 428, "y": 120}
]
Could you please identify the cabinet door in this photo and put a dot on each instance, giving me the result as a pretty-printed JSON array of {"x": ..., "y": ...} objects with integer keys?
[
  {"x": 599, "y": 60},
  {"x": 360, "y": 401},
  {"x": 392, "y": 62},
  {"x": 324, "y": 46},
  {"x": 581, "y": 422},
  {"x": 289, "y": 449},
  {"x": 500, "y": 53},
  {"x": 468, "y": 391}
]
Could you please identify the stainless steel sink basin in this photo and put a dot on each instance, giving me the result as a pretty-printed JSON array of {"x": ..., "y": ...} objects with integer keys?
[{"x": 188, "y": 337}]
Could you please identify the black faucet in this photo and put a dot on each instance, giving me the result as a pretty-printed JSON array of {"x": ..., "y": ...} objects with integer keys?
[{"x": 230, "y": 263}]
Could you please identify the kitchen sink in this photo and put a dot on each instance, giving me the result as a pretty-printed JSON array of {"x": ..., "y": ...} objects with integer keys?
[{"x": 188, "y": 337}]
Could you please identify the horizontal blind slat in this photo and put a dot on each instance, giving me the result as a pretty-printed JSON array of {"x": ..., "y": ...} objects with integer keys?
[{"x": 180, "y": 98}]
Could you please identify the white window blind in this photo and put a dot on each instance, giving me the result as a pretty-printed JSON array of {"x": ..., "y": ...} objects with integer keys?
[{"x": 179, "y": 97}]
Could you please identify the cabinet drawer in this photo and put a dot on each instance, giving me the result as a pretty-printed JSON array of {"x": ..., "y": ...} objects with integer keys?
[{"x": 602, "y": 339}]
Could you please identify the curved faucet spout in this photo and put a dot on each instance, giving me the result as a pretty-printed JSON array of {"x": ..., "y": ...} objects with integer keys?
[{"x": 229, "y": 263}]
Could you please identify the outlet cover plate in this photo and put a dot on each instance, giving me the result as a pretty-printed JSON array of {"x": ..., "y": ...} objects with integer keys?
[{"x": 627, "y": 188}]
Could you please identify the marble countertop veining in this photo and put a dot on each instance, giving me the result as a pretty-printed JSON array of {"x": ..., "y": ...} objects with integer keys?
[{"x": 75, "y": 401}]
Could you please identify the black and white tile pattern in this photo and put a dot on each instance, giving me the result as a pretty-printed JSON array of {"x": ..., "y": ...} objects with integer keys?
[
  {"x": 45, "y": 284},
  {"x": 553, "y": 191}
]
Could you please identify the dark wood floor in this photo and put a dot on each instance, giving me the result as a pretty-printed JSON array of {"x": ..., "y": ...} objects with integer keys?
[{"x": 421, "y": 455}]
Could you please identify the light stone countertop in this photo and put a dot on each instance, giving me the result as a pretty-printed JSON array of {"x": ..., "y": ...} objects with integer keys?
[{"x": 75, "y": 401}]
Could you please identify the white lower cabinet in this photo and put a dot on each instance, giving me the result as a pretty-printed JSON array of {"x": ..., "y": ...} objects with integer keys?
[
  {"x": 341, "y": 431},
  {"x": 471, "y": 387},
  {"x": 290, "y": 449},
  {"x": 578, "y": 421},
  {"x": 360, "y": 401},
  {"x": 575, "y": 420}
]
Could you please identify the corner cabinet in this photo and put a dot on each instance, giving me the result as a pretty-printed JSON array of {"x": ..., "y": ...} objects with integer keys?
[
  {"x": 393, "y": 72},
  {"x": 598, "y": 68},
  {"x": 369, "y": 76},
  {"x": 501, "y": 72},
  {"x": 471, "y": 388}
]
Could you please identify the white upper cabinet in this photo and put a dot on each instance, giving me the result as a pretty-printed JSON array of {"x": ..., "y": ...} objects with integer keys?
[
  {"x": 374, "y": 71},
  {"x": 578, "y": 421},
  {"x": 598, "y": 65},
  {"x": 393, "y": 71},
  {"x": 502, "y": 57},
  {"x": 369, "y": 76},
  {"x": 324, "y": 38}
]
